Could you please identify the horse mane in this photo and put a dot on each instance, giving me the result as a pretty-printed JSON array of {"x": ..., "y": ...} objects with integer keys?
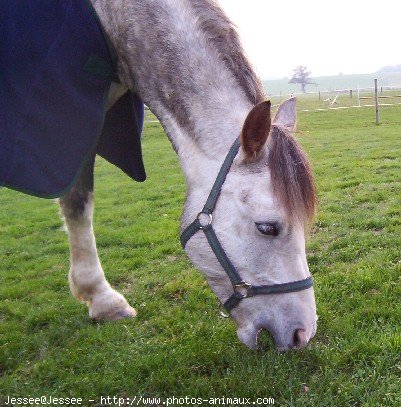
[
  {"x": 222, "y": 33},
  {"x": 291, "y": 176}
]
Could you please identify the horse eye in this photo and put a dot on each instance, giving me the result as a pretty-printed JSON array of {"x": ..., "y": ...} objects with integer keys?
[{"x": 267, "y": 228}]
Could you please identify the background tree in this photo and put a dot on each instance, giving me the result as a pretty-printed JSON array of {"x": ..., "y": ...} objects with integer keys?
[{"x": 301, "y": 76}]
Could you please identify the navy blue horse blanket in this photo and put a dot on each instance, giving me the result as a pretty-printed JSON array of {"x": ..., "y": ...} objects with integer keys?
[{"x": 56, "y": 68}]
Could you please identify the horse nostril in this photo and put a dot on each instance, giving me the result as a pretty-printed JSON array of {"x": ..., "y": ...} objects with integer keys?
[{"x": 299, "y": 339}]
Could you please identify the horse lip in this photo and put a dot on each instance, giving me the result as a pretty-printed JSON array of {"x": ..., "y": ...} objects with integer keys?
[{"x": 248, "y": 336}]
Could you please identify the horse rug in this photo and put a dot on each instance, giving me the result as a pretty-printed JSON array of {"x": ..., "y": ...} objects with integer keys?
[{"x": 56, "y": 68}]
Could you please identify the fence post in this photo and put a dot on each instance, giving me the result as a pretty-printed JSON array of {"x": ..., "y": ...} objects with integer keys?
[
  {"x": 319, "y": 94},
  {"x": 377, "y": 104},
  {"x": 350, "y": 93},
  {"x": 359, "y": 100}
]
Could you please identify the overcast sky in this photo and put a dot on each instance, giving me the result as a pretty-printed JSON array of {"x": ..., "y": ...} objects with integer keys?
[{"x": 329, "y": 37}]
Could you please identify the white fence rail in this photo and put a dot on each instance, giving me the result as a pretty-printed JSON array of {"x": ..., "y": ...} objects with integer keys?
[{"x": 344, "y": 98}]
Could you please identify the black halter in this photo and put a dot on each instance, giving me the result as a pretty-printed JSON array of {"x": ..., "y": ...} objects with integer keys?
[{"x": 241, "y": 288}]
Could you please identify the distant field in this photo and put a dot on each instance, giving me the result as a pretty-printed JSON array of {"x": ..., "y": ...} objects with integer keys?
[
  {"x": 341, "y": 100},
  {"x": 179, "y": 345},
  {"x": 274, "y": 87}
]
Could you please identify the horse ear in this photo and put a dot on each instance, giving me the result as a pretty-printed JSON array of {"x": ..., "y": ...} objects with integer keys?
[
  {"x": 286, "y": 115},
  {"x": 256, "y": 130}
]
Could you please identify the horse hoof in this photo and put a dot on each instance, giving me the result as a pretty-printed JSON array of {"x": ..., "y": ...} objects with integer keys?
[{"x": 127, "y": 312}]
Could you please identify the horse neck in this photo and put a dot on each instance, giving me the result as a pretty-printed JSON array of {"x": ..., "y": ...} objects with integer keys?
[{"x": 166, "y": 58}]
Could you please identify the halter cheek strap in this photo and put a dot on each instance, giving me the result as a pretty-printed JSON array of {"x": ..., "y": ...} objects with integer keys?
[{"x": 204, "y": 222}]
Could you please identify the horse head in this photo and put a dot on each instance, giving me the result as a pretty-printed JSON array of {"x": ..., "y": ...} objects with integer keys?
[{"x": 260, "y": 216}]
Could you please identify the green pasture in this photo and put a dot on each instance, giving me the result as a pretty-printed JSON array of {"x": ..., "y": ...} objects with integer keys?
[{"x": 180, "y": 345}]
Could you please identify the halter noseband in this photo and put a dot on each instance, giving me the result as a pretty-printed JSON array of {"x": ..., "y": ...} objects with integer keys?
[{"x": 241, "y": 288}]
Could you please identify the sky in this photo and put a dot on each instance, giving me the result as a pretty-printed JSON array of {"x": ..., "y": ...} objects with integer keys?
[{"x": 329, "y": 37}]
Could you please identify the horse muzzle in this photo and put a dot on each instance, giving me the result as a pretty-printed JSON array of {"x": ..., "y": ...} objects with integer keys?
[{"x": 293, "y": 337}]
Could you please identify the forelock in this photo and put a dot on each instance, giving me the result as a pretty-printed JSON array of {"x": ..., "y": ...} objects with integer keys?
[{"x": 291, "y": 176}]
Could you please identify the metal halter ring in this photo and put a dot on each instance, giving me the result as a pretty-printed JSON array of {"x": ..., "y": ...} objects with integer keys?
[
  {"x": 202, "y": 226},
  {"x": 244, "y": 289}
]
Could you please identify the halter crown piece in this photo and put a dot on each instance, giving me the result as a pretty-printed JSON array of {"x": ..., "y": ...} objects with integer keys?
[{"x": 241, "y": 288}]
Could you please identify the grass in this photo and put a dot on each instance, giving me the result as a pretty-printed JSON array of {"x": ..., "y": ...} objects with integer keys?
[{"x": 179, "y": 344}]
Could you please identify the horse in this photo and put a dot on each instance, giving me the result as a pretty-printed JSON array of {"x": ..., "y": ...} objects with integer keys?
[{"x": 184, "y": 59}]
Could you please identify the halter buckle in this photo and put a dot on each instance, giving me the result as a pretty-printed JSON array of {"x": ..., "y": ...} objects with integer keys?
[
  {"x": 244, "y": 289},
  {"x": 209, "y": 222}
]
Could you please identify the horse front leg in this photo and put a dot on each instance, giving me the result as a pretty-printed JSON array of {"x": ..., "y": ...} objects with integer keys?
[{"x": 86, "y": 277}]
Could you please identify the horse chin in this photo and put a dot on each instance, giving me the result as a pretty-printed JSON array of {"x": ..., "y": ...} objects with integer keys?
[{"x": 248, "y": 335}]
